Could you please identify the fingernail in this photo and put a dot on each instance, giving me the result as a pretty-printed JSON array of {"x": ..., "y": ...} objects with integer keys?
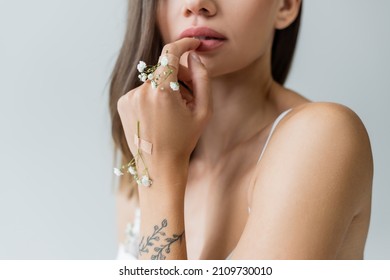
[{"x": 195, "y": 56}]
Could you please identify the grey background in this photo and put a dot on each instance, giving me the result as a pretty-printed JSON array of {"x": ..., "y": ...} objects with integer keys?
[{"x": 56, "y": 200}]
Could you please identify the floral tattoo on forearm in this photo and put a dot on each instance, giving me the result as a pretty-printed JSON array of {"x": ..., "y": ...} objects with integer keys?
[{"x": 164, "y": 247}]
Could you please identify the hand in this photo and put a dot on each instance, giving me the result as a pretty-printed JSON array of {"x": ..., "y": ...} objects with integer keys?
[{"x": 171, "y": 120}]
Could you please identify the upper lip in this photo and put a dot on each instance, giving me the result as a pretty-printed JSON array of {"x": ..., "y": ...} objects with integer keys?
[{"x": 201, "y": 32}]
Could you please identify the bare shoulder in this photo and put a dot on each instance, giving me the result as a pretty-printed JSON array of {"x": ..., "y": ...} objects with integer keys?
[
  {"x": 331, "y": 132},
  {"x": 312, "y": 181},
  {"x": 327, "y": 113},
  {"x": 323, "y": 132}
]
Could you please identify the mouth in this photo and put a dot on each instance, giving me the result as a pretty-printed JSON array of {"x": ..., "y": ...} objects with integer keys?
[
  {"x": 210, "y": 39},
  {"x": 202, "y": 38}
]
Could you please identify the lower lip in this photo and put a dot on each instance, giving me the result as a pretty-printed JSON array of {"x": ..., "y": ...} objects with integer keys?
[{"x": 209, "y": 45}]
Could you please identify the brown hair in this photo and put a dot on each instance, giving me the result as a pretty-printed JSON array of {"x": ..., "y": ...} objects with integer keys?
[{"x": 143, "y": 42}]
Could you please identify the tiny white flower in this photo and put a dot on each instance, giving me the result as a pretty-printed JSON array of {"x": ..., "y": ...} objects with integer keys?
[
  {"x": 118, "y": 172},
  {"x": 129, "y": 229},
  {"x": 154, "y": 84},
  {"x": 150, "y": 76},
  {"x": 138, "y": 181},
  {"x": 144, "y": 77},
  {"x": 132, "y": 171},
  {"x": 141, "y": 66},
  {"x": 136, "y": 228},
  {"x": 164, "y": 61},
  {"x": 174, "y": 86},
  {"x": 145, "y": 181}
]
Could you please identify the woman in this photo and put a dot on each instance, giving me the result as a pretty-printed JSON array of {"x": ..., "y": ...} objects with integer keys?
[{"x": 219, "y": 160}]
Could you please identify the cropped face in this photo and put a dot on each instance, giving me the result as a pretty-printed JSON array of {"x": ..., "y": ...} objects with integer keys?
[{"x": 234, "y": 33}]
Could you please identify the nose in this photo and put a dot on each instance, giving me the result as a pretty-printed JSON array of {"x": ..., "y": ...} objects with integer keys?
[{"x": 205, "y": 8}]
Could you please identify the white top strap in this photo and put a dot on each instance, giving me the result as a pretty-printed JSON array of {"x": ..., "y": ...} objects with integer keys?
[{"x": 278, "y": 119}]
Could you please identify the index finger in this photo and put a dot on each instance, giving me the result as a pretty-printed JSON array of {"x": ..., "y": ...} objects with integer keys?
[{"x": 173, "y": 51}]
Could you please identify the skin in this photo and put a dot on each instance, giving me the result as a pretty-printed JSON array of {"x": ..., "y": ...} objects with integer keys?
[{"x": 310, "y": 195}]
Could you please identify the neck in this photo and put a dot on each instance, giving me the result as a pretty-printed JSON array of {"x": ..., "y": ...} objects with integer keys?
[{"x": 242, "y": 106}]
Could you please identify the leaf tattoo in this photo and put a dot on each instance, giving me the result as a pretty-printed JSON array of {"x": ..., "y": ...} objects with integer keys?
[{"x": 158, "y": 235}]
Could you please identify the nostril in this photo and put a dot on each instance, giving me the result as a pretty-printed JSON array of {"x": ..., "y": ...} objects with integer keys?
[
  {"x": 200, "y": 8},
  {"x": 204, "y": 12}
]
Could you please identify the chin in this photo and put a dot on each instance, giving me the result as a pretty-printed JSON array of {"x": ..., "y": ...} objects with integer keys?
[{"x": 214, "y": 69}]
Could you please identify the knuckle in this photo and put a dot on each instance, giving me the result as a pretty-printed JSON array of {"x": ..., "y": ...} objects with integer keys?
[
  {"x": 207, "y": 113},
  {"x": 125, "y": 101},
  {"x": 163, "y": 94},
  {"x": 203, "y": 115},
  {"x": 121, "y": 104},
  {"x": 170, "y": 48},
  {"x": 204, "y": 77}
]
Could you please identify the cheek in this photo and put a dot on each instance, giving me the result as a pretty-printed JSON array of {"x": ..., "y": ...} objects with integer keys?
[
  {"x": 167, "y": 12},
  {"x": 162, "y": 20},
  {"x": 258, "y": 21},
  {"x": 250, "y": 39},
  {"x": 258, "y": 28}
]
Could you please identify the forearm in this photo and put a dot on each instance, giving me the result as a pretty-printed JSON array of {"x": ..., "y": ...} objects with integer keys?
[
  {"x": 162, "y": 234},
  {"x": 165, "y": 126}
]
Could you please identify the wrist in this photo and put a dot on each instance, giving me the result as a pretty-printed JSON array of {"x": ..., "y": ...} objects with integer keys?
[
  {"x": 169, "y": 179},
  {"x": 169, "y": 171},
  {"x": 162, "y": 197}
]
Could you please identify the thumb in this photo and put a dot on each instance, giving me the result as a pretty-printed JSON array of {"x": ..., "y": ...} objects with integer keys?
[{"x": 200, "y": 85}]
